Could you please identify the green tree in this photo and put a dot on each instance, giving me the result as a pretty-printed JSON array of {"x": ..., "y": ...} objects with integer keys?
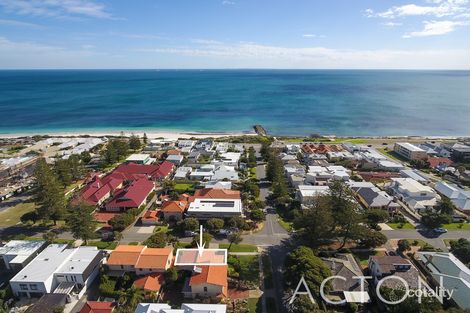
[
  {"x": 206, "y": 239},
  {"x": 403, "y": 245},
  {"x": 303, "y": 304},
  {"x": 80, "y": 222},
  {"x": 461, "y": 249},
  {"x": 435, "y": 219},
  {"x": 49, "y": 236},
  {"x": 376, "y": 216},
  {"x": 446, "y": 206},
  {"x": 373, "y": 239},
  {"x": 303, "y": 262},
  {"x": 144, "y": 138},
  {"x": 157, "y": 240},
  {"x": 190, "y": 224},
  {"x": 29, "y": 216},
  {"x": 237, "y": 222},
  {"x": 64, "y": 174},
  {"x": 215, "y": 224},
  {"x": 257, "y": 215},
  {"x": 130, "y": 299},
  {"x": 48, "y": 193},
  {"x": 134, "y": 142},
  {"x": 234, "y": 238},
  {"x": 171, "y": 275}
]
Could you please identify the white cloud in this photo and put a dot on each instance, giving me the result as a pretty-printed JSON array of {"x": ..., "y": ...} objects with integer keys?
[
  {"x": 436, "y": 28},
  {"x": 19, "y": 23},
  {"x": 56, "y": 8},
  {"x": 134, "y": 36},
  {"x": 392, "y": 24},
  {"x": 440, "y": 8},
  {"x": 309, "y": 35},
  {"x": 257, "y": 55},
  {"x": 227, "y": 2}
]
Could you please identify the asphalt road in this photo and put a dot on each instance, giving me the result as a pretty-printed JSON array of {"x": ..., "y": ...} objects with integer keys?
[{"x": 433, "y": 239}]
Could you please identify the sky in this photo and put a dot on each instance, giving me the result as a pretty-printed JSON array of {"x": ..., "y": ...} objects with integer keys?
[{"x": 209, "y": 34}]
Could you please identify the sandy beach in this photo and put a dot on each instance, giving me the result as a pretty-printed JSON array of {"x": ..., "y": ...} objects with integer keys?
[{"x": 151, "y": 134}]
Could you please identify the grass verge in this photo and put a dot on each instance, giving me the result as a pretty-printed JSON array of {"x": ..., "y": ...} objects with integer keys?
[
  {"x": 401, "y": 225},
  {"x": 11, "y": 216},
  {"x": 239, "y": 247}
]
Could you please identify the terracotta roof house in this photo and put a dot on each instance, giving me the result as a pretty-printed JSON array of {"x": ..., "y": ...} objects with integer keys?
[
  {"x": 132, "y": 196},
  {"x": 207, "y": 282},
  {"x": 439, "y": 162},
  {"x": 98, "y": 190},
  {"x": 133, "y": 171},
  {"x": 150, "y": 217},
  {"x": 173, "y": 152},
  {"x": 140, "y": 259},
  {"x": 383, "y": 266},
  {"x": 98, "y": 307},
  {"x": 150, "y": 284},
  {"x": 173, "y": 210},
  {"x": 217, "y": 193},
  {"x": 312, "y": 148}
]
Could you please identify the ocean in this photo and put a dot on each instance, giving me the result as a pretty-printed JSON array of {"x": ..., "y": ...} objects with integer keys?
[{"x": 285, "y": 102}]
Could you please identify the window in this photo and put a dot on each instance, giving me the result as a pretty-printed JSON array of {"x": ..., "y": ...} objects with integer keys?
[
  {"x": 23, "y": 287},
  {"x": 33, "y": 286},
  {"x": 205, "y": 289}
]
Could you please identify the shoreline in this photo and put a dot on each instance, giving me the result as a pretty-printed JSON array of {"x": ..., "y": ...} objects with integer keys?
[
  {"x": 173, "y": 135},
  {"x": 151, "y": 134}
]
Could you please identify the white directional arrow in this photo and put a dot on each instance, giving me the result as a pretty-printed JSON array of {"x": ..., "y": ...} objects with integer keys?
[{"x": 201, "y": 244}]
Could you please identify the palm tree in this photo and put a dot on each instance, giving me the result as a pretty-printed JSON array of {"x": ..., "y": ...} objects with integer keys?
[{"x": 130, "y": 299}]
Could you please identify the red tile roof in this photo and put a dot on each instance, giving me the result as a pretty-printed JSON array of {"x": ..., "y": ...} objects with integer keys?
[
  {"x": 311, "y": 148},
  {"x": 132, "y": 196},
  {"x": 97, "y": 307},
  {"x": 103, "y": 217},
  {"x": 98, "y": 189},
  {"x": 150, "y": 215},
  {"x": 435, "y": 162},
  {"x": 133, "y": 171},
  {"x": 152, "y": 282},
  {"x": 174, "y": 206},
  {"x": 213, "y": 275},
  {"x": 141, "y": 257},
  {"x": 217, "y": 193}
]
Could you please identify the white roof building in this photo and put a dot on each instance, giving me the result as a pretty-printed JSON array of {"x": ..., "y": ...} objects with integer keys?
[
  {"x": 203, "y": 208},
  {"x": 186, "y": 143},
  {"x": 225, "y": 172},
  {"x": 454, "y": 274},
  {"x": 139, "y": 158},
  {"x": 17, "y": 253},
  {"x": 306, "y": 193},
  {"x": 217, "y": 184},
  {"x": 230, "y": 158},
  {"x": 175, "y": 159},
  {"x": 55, "y": 265},
  {"x": 205, "y": 172},
  {"x": 182, "y": 172},
  {"x": 459, "y": 197},
  {"x": 415, "y": 174},
  {"x": 417, "y": 196},
  {"x": 185, "y": 308}
]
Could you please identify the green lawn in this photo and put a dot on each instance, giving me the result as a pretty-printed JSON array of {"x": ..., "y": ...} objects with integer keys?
[
  {"x": 253, "y": 172},
  {"x": 58, "y": 240},
  {"x": 183, "y": 187},
  {"x": 284, "y": 224},
  {"x": 161, "y": 229},
  {"x": 11, "y": 216},
  {"x": 457, "y": 226},
  {"x": 182, "y": 245},
  {"x": 103, "y": 245},
  {"x": 392, "y": 154},
  {"x": 401, "y": 225},
  {"x": 363, "y": 256},
  {"x": 239, "y": 247},
  {"x": 254, "y": 305}
]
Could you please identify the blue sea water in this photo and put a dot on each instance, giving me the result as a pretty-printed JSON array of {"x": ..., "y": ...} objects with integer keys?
[{"x": 349, "y": 102}]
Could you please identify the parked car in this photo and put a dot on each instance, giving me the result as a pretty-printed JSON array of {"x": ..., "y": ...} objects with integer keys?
[
  {"x": 225, "y": 232},
  {"x": 440, "y": 230},
  {"x": 189, "y": 233}
]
